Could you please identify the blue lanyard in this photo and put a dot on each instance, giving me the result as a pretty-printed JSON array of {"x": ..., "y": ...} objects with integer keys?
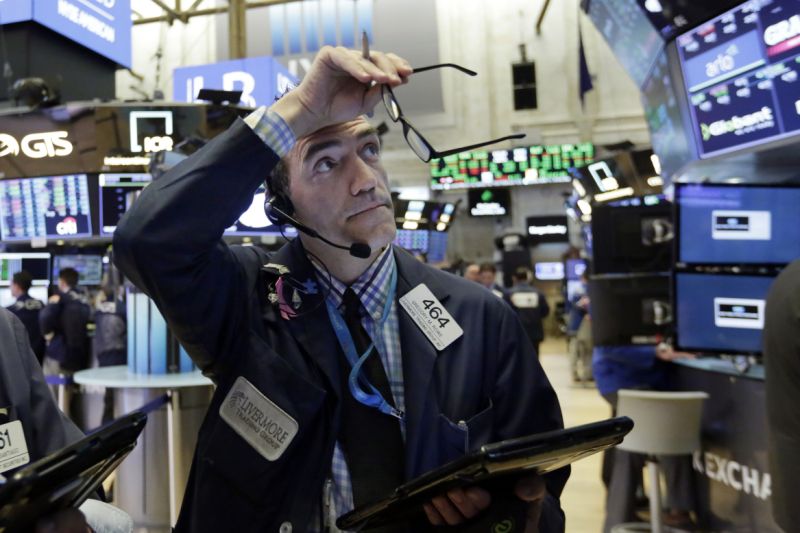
[{"x": 356, "y": 381}]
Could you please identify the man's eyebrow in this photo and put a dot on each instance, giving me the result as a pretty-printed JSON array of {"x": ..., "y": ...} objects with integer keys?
[{"x": 315, "y": 148}]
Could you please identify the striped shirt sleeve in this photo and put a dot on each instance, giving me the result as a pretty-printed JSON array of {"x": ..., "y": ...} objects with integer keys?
[{"x": 272, "y": 129}]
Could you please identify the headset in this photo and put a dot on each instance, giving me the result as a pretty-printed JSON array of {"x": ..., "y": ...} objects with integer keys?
[{"x": 279, "y": 210}]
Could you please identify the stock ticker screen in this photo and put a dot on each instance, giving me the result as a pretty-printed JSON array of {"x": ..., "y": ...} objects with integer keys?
[
  {"x": 741, "y": 72},
  {"x": 532, "y": 165},
  {"x": 56, "y": 207}
]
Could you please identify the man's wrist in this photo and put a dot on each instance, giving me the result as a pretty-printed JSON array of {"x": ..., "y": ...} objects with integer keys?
[{"x": 295, "y": 115}]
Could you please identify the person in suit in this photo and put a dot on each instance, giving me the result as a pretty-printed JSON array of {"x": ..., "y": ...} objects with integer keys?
[
  {"x": 25, "y": 399},
  {"x": 27, "y": 309},
  {"x": 344, "y": 367},
  {"x": 530, "y": 304},
  {"x": 782, "y": 384}
]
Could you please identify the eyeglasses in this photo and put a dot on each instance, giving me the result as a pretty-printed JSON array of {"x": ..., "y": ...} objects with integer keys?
[{"x": 414, "y": 138}]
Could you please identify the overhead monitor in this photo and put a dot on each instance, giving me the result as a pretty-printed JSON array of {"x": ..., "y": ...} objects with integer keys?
[
  {"x": 549, "y": 271},
  {"x": 741, "y": 73},
  {"x": 630, "y": 309},
  {"x": 489, "y": 202},
  {"x": 531, "y": 165},
  {"x": 53, "y": 207},
  {"x": 36, "y": 264},
  {"x": 117, "y": 193},
  {"x": 734, "y": 224},
  {"x": 89, "y": 267},
  {"x": 633, "y": 39},
  {"x": 547, "y": 229},
  {"x": 720, "y": 313}
]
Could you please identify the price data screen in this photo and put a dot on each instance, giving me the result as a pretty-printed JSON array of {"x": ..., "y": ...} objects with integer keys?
[
  {"x": 54, "y": 207},
  {"x": 117, "y": 193},
  {"x": 742, "y": 75},
  {"x": 532, "y": 165}
]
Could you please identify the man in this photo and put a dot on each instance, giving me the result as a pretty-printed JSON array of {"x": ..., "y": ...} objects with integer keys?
[
  {"x": 278, "y": 334},
  {"x": 488, "y": 276},
  {"x": 473, "y": 272},
  {"x": 63, "y": 322},
  {"x": 25, "y": 400},
  {"x": 27, "y": 309},
  {"x": 782, "y": 367},
  {"x": 530, "y": 304}
]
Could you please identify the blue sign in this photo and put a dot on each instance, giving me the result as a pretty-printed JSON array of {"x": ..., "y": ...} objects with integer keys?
[
  {"x": 103, "y": 26},
  {"x": 260, "y": 79},
  {"x": 15, "y": 11}
]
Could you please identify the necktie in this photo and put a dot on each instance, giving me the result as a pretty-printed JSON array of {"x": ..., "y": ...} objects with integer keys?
[{"x": 371, "y": 441}]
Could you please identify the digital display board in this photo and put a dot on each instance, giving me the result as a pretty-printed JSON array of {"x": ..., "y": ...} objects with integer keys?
[
  {"x": 549, "y": 271},
  {"x": 741, "y": 72},
  {"x": 416, "y": 240},
  {"x": 56, "y": 207},
  {"x": 720, "y": 224},
  {"x": 629, "y": 33},
  {"x": 547, "y": 229},
  {"x": 89, "y": 267},
  {"x": 117, "y": 193},
  {"x": 720, "y": 313},
  {"x": 532, "y": 165},
  {"x": 35, "y": 264},
  {"x": 489, "y": 202}
]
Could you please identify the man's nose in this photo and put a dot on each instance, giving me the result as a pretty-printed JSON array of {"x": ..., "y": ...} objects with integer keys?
[{"x": 365, "y": 177}]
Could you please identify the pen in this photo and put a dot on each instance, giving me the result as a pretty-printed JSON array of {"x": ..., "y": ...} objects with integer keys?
[{"x": 364, "y": 45}]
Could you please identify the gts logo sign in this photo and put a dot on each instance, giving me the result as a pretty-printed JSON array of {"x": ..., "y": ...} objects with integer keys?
[{"x": 36, "y": 145}]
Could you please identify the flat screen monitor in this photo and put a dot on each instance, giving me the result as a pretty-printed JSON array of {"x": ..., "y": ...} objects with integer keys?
[
  {"x": 53, "y": 207},
  {"x": 632, "y": 238},
  {"x": 89, "y": 267},
  {"x": 531, "y": 165},
  {"x": 732, "y": 224},
  {"x": 741, "y": 72},
  {"x": 7, "y": 299},
  {"x": 630, "y": 309},
  {"x": 489, "y": 202},
  {"x": 627, "y": 30},
  {"x": 35, "y": 264},
  {"x": 117, "y": 193},
  {"x": 254, "y": 222},
  {"x": 575, "y": 269},
  {"x": 549, "y": 271},
  {"x": 547, "y": 229},
  {"x": 437, "y": 247},
  {"x": 720, "y": 313},
  {"x": 414, "y": 240}
]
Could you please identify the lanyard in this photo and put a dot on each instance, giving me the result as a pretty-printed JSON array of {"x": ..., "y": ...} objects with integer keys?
[{"x": 356, "y": 381}]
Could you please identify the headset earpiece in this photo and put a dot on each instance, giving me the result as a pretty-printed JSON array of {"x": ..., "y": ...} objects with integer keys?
[{"x": 278, "y": 207}]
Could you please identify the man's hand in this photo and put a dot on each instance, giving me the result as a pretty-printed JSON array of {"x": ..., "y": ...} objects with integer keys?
[
  {"x": 665, "y": 352},
  {"x": 460, "y": 505},
  {"x": 67, "y": 521},
  {"x": 54, "y": 299},
  {"x": 340, "y": 86}
]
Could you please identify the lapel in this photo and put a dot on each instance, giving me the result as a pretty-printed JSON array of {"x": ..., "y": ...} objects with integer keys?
[
  {"x": 312, "y": 330},
  {"x": 419, "y": 357}
]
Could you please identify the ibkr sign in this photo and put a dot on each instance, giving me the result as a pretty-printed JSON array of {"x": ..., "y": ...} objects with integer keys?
[{"x": 260, "y": 79}]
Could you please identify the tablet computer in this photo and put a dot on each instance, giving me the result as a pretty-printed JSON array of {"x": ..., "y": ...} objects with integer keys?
[
  {"x": 539, "y": 453},
  {"x": 65, "y": 478}
]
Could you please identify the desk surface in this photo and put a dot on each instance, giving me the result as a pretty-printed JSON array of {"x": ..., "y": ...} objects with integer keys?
[
  {"x": 722, "y": 366},
  {"x": 119, "y": 377}
]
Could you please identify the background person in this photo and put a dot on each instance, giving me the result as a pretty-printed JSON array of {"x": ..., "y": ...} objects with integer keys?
[{"x": 27, "y": 309}]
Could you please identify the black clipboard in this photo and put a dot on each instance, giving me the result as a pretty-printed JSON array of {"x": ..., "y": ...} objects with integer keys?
[
  {"x": 65, "y": 478},
  {"x": 539, "y": 453}
]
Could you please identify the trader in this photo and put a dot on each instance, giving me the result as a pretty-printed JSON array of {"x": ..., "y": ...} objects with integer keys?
[
  {"x": 344, "y": 366},
  {"x": 27, "y": 309},
  {"x": 530, "y": 304}
]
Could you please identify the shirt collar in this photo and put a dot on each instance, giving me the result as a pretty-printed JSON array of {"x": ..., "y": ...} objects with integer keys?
[{"x": 371, "y": 287}]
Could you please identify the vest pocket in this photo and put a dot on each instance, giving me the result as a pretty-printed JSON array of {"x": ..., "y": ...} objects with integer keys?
[{"x": 463, "y": 436}]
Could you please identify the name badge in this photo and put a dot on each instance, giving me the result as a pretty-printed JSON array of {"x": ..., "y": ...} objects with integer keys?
[
  {"x": 262, "y": 424},
  {"x": 13, "y": 448},
  {"x": 431, "y": 317}
]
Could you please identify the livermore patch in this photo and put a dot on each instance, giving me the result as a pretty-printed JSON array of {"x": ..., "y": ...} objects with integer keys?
[{"x": 264, "y": 425}]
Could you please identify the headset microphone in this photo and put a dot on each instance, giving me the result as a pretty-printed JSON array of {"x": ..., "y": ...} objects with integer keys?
[{"x": 276, "y": 214}]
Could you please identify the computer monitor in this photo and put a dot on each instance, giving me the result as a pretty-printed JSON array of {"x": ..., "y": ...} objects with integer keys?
[
  {"x": 55, "y": 207},
  {"x": 735, "y": 224},
  {"x": 489, "y": 202},
  {"x": 36, "y": 264},
  {"x": 720, "y": 313},
  {"x": 413, "y": 240},
  {"x": 89, "y": 267},
  {"x": 437, "y": 247},
  {"x": 630, "y": 308},
  {"x": 549, "y": 271},
  {"x": 117, "y": 193},
  {"x": 575, "y": 269},
  {"x": 632, "y": 238}
]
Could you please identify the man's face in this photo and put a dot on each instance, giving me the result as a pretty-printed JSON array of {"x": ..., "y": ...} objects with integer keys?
[
  {"x": 338, "y": 185},
  {"x": 487, "y": 278},
  {"x": 473, "y": 273},
  {"x": 16, "y": 290}
]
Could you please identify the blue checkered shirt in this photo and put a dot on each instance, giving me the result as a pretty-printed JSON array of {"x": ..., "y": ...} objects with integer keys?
[{"x": 372, "y": 288}]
